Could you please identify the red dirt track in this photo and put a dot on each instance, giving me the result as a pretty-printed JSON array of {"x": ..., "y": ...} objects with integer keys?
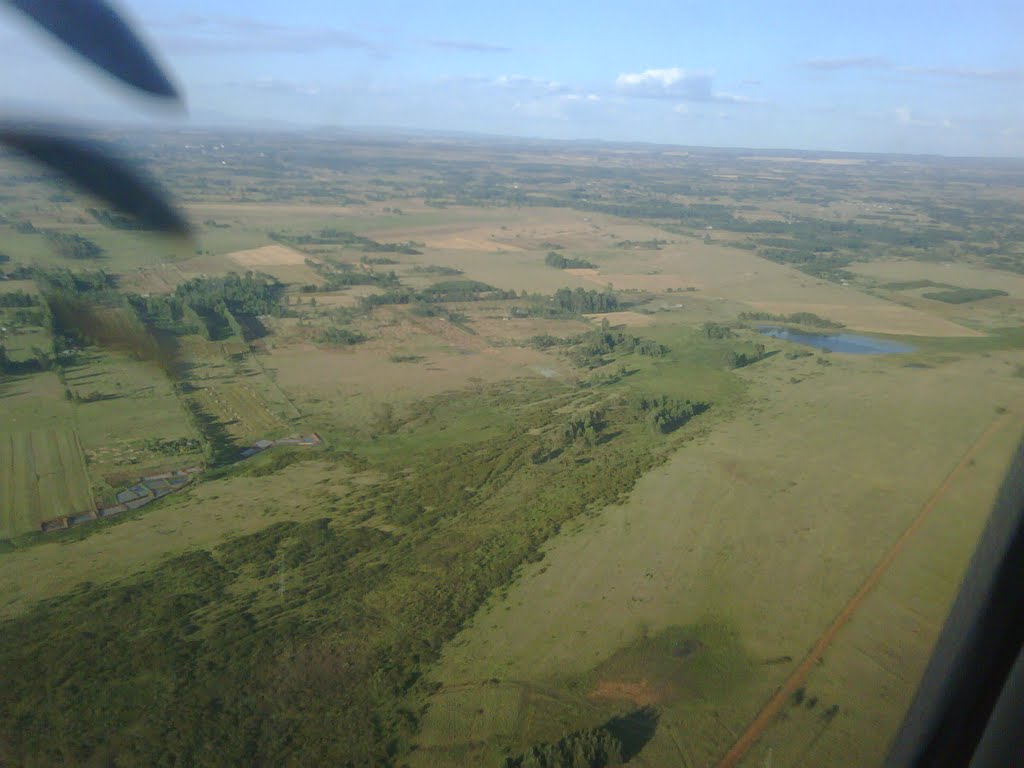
[{"x": 771, "y": 708}]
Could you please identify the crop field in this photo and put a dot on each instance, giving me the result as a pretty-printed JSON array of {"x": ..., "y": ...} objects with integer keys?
[
  {"x": 237, "y": 406},
  {"x": 130, "y": 421},
  {"x": 41, "y": 476},
  {"x": 564, "y": 482}
]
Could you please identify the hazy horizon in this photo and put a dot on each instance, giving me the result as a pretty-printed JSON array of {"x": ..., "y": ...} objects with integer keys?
[{"x": 929, "y": 79}]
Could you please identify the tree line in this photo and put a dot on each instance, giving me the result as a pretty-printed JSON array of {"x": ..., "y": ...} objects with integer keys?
[{"x": 558, "y": 261}]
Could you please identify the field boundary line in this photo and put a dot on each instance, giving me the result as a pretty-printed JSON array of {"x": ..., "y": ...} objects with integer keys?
[
  {"x": 85, "y": 469},
  {"x": 797, "y": 678}
]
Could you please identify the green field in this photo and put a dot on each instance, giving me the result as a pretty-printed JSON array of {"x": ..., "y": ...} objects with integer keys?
[{"x": 42, "y": 477}]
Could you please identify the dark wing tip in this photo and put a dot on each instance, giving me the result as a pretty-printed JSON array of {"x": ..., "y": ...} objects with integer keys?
[
  {"x": 97, "y": 171},
  {"x": 94, "y": 30}
]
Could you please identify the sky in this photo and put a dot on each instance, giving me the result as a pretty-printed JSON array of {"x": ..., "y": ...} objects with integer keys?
[{"x": 910, "y": 77}]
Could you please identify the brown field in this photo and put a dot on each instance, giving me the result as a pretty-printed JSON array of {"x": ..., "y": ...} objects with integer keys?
[
  {"x": 267, "y": 256},
  {"x": 286, "y": 265},
  {"x": 158, "y": 278},
  {"x": 362, "y": 376},
  {"x": 620, "y": 282},
  {"x": 628, "y": 319}
]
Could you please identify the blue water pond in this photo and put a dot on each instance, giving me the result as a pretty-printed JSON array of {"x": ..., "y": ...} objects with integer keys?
[{"x": 848, "y": 343}]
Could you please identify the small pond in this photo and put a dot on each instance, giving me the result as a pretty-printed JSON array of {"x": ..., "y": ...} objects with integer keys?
[{"x": 848, "y": 343}]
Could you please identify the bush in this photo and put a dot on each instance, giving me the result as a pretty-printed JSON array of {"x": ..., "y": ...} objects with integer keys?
[
  {"x": 964, "y": 295},
  {"x": 340, "y": 337}
]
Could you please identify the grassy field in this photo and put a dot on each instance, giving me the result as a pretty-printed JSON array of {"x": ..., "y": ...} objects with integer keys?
[
  {"x": 42, "y": 476},
  {"x": 748, "y": 528},
  {"x": 200, "y": 518},
  {"x": 873, "y": 666},
  {"x": 128, "y": 418}
]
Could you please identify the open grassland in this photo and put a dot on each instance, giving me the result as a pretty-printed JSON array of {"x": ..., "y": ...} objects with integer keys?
[
  {"x": 748, "y": 528},
  {"x": 199, "y": 518},
  {"x": 41, "y": 476},
  {"x": 873, "y": 666},
  {"x": 33, "y": 401}
]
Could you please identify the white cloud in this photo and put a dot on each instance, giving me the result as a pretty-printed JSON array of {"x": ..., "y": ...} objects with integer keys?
[
  {"x": 530, "y": 84},
  {"x": 670, "y": 83},
  {"x": 676, "y": 84}
]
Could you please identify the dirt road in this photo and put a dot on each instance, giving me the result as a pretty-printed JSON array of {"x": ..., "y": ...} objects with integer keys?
[{"x": 771, "y": 708}]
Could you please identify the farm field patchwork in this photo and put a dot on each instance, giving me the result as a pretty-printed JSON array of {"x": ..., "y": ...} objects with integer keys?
[{"x": 566, "y": 491}]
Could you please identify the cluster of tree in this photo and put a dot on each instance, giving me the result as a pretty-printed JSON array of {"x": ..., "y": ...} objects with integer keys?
[
  {"x": 18, "y": 299},
  {"x": 424, "y": 309},
  {"x": 594, "y": 748},
  {"x": 616, "y": 742},
  {"x": 717, "y": 331},
  {"x": 665, "y": 414},
  {"x": 449, "y": 290},
  {"x": 433, "y": 269},
  {"x": 39, "y": 361},
  {"x": 217, "y": 307},
  {"x": 825, "y": 266},
  {"x": 734, "y": 359},
  {"x": 586, "y": 427},
  {"x": 653, "y": 244},
  {"x": 465, "y": 290},
  {"x": 591, "y": 347},
  {"x": 115, "y": 220},
  {"x": 796, "y": 318},
  {"x": 98, "y": 283},
  {"x": 338, "y": 275},
  {"x": 20, "y": 272},
  {"x": 580, "y": 301},
  {"x": 547, "y": 341},
  {"x": 964, "y": 295},
  {"x": 72, "y": 246},
  {"x": 340, "y": 337},
  {"x": 331, "y": 236},
  {"x": 381, "y": 260},
  {"x": 172, "y": 447},
  {"x": 558, "y": 261}
]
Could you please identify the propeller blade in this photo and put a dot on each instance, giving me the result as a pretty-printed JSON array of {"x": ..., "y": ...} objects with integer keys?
[
  {"x": 91, "y": 167},
  {"x": 94, "y": 30}
]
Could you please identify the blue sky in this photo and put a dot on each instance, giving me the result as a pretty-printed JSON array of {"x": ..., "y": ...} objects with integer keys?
[{"x": 922, "y": 77}]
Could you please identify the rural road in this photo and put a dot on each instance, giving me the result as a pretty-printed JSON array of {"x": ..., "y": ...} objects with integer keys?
[{"x": 771, "y": 708}]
